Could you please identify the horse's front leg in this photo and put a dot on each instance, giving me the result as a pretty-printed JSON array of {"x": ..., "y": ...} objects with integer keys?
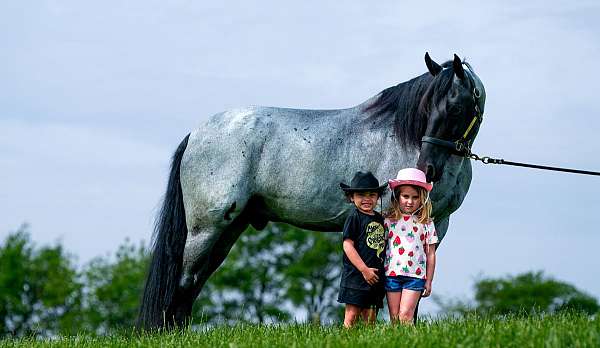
[{"x": 441, "y": 227}]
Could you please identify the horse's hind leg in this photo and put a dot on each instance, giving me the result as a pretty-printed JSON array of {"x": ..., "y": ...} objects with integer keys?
[
  {"x": 206, "y": 247},
  {"x": 217, "y": 255}
]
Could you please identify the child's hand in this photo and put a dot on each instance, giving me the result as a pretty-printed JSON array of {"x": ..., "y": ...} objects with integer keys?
[
  {"x": 427, "y": 290},
  {"x": 370, "y": 275}
]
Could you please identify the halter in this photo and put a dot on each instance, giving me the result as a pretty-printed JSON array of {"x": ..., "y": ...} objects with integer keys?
[{"x": 462, "y": 146}]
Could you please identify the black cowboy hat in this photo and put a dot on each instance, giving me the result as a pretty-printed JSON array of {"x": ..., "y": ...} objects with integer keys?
[{"x": 363, "y": 181}]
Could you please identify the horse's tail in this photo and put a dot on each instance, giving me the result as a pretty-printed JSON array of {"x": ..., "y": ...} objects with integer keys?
[{"x": 170, "y": 233}]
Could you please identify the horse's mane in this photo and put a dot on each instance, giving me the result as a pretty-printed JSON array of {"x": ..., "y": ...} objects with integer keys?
[{"x": 408, "y": 102}]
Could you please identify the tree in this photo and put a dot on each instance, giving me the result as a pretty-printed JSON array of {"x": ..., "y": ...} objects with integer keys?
[
  {"x": 530, "y": 292},
  {"x": 41, "y": 294},
  {"x": 312, "y": 279},
  {"x": 249, "y": 286},
  {"x": 524, "y": 294},
  {"x": 113, "y": 288},
  {"x": 270, "y": 273}
]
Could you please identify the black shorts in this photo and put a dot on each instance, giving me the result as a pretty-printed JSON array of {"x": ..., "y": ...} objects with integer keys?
[{"x": 372, "y": 298}]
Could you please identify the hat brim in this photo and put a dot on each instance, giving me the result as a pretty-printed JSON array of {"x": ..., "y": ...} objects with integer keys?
[
  {"x": 349, "y": 189},
  {"x": 395, "y": 183}
]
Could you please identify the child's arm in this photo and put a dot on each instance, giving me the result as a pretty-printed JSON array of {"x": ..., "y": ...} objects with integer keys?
[
  {"x": 370, "y": 274},
  {"x": 430, "y": 251}
]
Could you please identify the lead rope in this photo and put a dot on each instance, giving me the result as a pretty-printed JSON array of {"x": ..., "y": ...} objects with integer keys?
[{"x": 490, "y": 160}]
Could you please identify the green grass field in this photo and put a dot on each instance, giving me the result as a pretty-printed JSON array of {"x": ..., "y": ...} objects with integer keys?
[{"x": 565, "y": 330}]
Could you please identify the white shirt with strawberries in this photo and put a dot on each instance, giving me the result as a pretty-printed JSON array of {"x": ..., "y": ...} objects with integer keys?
[{"x": 405, "y": 251}]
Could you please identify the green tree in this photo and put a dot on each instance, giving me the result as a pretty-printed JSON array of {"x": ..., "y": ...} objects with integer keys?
[
  {"x": 530, "y": 292},
  {"x": 523, "y": 294},
  {"x": 113, "y": 288},
  {"x": 312, "y": 279},
  {"x": 40, "y": 292},
  {"x": 249, "y": 286},
  {"x": 269, "y": 274}
]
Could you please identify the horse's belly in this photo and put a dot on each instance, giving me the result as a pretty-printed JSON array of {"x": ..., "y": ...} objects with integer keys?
[{"x": 304, "y": 212}]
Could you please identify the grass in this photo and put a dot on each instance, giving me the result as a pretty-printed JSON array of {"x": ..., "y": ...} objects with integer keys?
[{"x": 561, "y": 330}]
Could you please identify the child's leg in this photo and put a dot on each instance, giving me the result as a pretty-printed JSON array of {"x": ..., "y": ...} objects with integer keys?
[
  {"x": 351, "y": 313},
  {"x": 393, "y": 300},
  {"x": 407, "y": 305},
  {"x": 369, "y": 315}
]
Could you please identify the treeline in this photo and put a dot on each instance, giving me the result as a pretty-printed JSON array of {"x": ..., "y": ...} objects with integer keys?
[{"x": 271, "y": 276}]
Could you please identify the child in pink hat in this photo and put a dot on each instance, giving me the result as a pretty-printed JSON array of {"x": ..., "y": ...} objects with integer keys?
[{"x": 411, "y": 240}]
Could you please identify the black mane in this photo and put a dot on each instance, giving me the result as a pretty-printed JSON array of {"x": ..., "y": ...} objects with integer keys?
[{"x": 408, "y": 104}]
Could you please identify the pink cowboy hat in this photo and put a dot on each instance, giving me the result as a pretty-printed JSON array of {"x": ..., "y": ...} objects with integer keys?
[{"x": 410, "y": 176}]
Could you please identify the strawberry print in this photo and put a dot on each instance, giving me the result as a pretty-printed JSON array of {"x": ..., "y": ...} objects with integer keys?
[{"x": 405, "y": 246}]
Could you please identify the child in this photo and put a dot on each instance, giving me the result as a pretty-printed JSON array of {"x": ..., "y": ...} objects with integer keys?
[
  {"x": 361, "y": 288},
  {"x": 411, "y": 242}
]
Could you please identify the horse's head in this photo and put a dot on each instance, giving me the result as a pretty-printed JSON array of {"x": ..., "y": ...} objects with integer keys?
[{"x": 453, "y": 103}]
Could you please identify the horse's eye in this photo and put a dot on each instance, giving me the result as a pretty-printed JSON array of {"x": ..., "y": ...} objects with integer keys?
[{"x": 455, "y": 110}]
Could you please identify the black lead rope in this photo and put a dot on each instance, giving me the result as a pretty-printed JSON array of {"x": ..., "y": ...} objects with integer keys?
[{"x": 489, "y": 160}]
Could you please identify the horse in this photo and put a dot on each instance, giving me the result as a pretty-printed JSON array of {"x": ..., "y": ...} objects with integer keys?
[{"x": 253, "y": 165}]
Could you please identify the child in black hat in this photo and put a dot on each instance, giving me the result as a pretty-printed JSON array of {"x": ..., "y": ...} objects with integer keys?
[{"x": 361, "y": 288}]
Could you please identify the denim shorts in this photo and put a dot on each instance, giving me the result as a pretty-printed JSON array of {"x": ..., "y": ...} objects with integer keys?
[{"x": 397, "y": 283}]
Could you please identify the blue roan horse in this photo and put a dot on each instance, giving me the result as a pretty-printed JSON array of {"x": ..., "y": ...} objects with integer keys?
[{"x": 259, "y": 164}]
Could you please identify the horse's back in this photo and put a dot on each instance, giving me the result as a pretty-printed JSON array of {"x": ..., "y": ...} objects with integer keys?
[{"x": 259, "y": 150}]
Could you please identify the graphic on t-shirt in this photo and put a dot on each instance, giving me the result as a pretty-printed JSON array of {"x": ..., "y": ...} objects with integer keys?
[{"x": 375, "y": 237}]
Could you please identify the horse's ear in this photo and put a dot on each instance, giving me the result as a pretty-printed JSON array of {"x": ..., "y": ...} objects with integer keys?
[
  {"x": 433, "y": 67},
  {"x": 458, "y": 68}
]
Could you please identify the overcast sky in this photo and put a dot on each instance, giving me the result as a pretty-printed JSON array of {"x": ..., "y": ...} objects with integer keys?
[{"x": 95, "y": 96}]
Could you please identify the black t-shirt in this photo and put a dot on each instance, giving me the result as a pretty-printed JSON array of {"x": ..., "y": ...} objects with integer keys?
[{"x": 369, "y": 241}]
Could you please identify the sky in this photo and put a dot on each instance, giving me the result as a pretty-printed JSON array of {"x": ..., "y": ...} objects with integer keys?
[{"x": 95, "y": 96}]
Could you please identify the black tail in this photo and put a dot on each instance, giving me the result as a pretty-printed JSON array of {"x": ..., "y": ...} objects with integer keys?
[{"x": 170, "y": 233}]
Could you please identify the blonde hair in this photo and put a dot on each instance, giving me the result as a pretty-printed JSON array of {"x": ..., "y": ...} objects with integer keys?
[{"x": 394, "y": 211}]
